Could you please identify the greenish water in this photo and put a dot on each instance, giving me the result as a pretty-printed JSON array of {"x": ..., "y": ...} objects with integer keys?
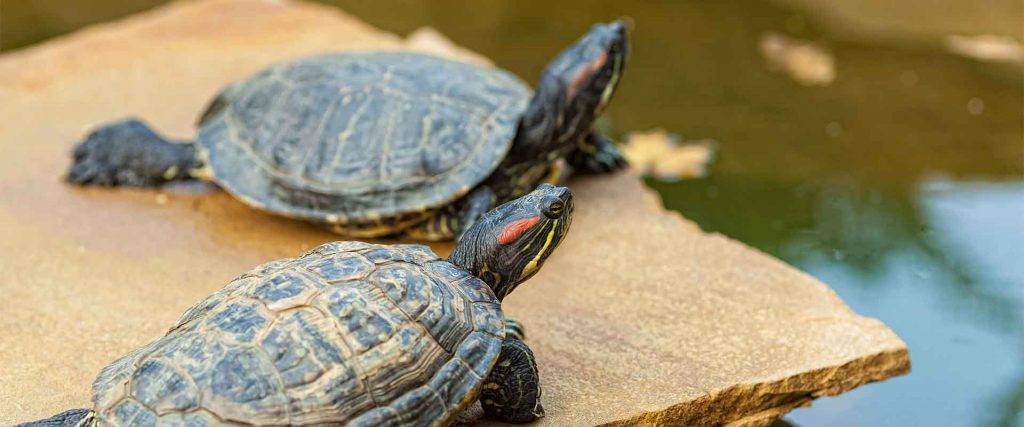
[{"x": 883, "y": 184}]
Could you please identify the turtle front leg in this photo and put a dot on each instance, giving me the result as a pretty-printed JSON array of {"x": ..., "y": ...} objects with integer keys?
[
  {"x": 514, "y": 329},
  {"x": 596, "y": 154},
  {"x": 129, "y": 153},
  {"x": 451, "y": 221},
  {"x": 512, "y": 391}
]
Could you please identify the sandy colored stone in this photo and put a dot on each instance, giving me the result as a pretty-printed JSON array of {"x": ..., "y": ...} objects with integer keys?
[
  {"x": 430, "y": 41},
  {"x": 639, "y": 316}
]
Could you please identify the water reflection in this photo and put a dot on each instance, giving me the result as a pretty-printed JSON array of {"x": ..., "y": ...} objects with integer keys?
[
  {"x": 939, "y": 263},
  {"x": 861, "y": 229},
  {"x": 981, "y": 226}
]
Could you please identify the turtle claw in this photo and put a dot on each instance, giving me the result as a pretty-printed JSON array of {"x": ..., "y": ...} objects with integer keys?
[
  {"x": 606, "y": 161},
  {"x": 128, "y": 153},
  {"x": 597, "y": 155},
  {"x": 88, "y": 172}
]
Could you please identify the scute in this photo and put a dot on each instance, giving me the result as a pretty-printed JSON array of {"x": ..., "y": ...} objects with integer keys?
[
  {"x": 350, "y": 332},
  {"x": 356, "y": 138},
  {"x": 238, "y": 320},
  {"x": 159, "y": 386},
  {"x": 242, "y": 387}
]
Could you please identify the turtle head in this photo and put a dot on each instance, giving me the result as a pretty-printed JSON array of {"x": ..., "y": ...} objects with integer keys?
[
  {"x": 589, "y": 71},
  {"x": 510, "y": 243},
  {"x": 574, "y": 89}
]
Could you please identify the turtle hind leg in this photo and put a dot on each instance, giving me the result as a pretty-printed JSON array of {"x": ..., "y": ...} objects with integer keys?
[
  {"x": 512, "y": 392},
  {"x": 70, "y": 418},
  {"x": 129, "y": 153}
]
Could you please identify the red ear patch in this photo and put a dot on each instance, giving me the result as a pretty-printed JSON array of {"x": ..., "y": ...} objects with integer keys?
[
  {"x": 584, "y": 73},
  {"x": 516, "y": 228}
]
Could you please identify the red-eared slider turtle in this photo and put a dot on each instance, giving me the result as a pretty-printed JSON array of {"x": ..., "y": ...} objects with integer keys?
[
  {"x": 350, "y": 333},
  {"x": 386, "y": 143}
]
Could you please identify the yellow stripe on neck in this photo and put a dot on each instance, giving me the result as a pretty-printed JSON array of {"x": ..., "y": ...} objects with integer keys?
[{"x": 532, "y": 265}]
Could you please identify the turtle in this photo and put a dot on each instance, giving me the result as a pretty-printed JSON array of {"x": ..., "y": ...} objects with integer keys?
[
  {"x": 381, "y": 144},
  {"x": 350, "y": 333}
]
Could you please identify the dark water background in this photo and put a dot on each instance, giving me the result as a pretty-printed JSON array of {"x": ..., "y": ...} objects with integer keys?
[{"x": 883, "y": 184}]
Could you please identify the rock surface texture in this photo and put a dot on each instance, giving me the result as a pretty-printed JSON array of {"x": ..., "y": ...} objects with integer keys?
[{"x": 639, "y": 317}]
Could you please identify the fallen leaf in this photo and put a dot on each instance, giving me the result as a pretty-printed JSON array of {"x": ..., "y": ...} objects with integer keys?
[
  {"x": 660, "y": 154},
  {"x": 805, "y": 62},
  {"x": 987, "y": 48}
]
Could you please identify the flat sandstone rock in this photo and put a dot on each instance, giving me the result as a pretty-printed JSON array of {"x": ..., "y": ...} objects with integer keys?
[{"x": 639, "y": 316}]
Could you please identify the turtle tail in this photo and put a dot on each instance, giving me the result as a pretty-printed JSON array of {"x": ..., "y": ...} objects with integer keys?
[{"x": 70, "y": 418}]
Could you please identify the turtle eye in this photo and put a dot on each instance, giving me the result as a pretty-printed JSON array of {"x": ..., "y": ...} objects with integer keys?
[
  {"x": 553, "y": 206},
  {"x": 554, "y": 209}
]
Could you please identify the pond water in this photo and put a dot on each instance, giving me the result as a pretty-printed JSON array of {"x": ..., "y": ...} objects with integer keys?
[{"x": 900, "y": 184}]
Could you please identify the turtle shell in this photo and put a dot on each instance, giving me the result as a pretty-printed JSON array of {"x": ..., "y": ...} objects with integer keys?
[
  {"x": 355, "y": 138},
  {"x": 349, "y": 333}
]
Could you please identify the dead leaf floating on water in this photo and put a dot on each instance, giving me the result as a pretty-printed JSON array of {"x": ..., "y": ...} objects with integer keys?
[
  {"x": 805, "y": 62},
  {"x": 660, "y": 154},
  {"x": 987, "y": 48}
]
